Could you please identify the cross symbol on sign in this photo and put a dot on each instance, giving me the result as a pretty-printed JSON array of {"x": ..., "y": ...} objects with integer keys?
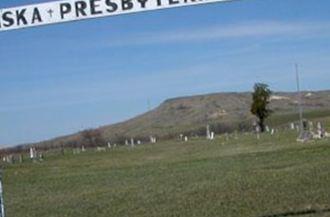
[{"x": 50, "y": 12}]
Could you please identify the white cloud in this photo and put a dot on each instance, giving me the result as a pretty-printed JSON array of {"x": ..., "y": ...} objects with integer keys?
[{"x": 231, "y": 31}]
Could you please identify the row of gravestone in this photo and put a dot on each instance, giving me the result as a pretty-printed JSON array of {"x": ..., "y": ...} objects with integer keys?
[
  {"x": 34, "y": 155},
  {"x": 19, "y": 158},
  {"x": 306, "y": 131},
  {"x": 306, "y": 134},
  {"x": 128, "y": 142},
  {"x": 210, "y": 135}
]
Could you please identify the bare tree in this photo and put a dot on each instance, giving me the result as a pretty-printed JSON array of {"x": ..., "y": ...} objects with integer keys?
[{"x": 92, "y": 138}]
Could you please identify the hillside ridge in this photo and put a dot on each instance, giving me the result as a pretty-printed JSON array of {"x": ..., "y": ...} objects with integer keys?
[{"x": 189, "y": 113}]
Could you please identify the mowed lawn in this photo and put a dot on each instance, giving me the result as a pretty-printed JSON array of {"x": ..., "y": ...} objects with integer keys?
[{"x": 241, "y": 176}]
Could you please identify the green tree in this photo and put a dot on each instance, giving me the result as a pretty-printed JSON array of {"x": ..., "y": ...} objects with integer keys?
[{"x": 261, "y": 100}]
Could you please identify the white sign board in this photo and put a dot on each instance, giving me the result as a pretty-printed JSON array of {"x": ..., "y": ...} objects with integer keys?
[{"x": 72, "y": 10}]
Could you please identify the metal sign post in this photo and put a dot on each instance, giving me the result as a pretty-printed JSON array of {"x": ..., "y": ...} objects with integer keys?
[{"x": 2, "y": 208}]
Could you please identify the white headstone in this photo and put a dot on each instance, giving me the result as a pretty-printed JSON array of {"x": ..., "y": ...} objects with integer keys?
[
  {"x": 212, "y": 135},
  {"x": 33, "y": 153},
  {"x": 208, "y": 134},
  {"x": 319, "y": 126},
  {"x": 139, "y": 142},
  {"x": 320, "y": 130},
  {"x": 311, "y": 126},
  {"x": 258, "y": 131},
  {"x": 327, "y": 135},
  {"x": 186, "y": 138},
  {"x": 272, "y": 132},
  {"x": 9, "y": 159},
  {"x": 109, "y": 145},
  {"x": 132, "y": 142},
  {"x": 126, "y": 142},
  {"x": 153, "y": 139},
  {"x": 267, "y": 129},
  {"x": 292, "y": 126}
]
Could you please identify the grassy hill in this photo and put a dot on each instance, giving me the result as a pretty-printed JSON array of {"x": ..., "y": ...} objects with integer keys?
[
  {"x": 186, "y": 113},
  {"x": 234, "y": 176},
  {"x": 224, "y": 111}
]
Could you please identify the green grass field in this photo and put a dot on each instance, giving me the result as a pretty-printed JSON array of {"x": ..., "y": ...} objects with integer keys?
[{"x": 238, "y": 177}]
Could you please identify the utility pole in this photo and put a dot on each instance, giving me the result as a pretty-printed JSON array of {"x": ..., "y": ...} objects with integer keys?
[{"x": 299, "y": 100}]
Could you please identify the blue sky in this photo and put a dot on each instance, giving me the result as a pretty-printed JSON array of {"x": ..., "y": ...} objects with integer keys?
[{"x": 60, "y": 79}]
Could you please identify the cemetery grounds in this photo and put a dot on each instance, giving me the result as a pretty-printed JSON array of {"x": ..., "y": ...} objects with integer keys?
[{"x": 234, "y": 176}]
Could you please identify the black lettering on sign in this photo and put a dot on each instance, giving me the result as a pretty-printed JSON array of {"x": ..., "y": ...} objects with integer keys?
[
  {"x": 143, "y": 3},
  {"x": 65, "y": 8},
  {"x": 173, "y": 2},
  {"x": 8, "y": 20},
  {"x": 112, "y": 6},
  {"x": 20, "y": 17},
  {"x": 80, "y": 8},
  {"x": 36, "y": 16},
  {"x": 126, "y": 5},
  {"x": 94, "y": 5},
  {"x": 159, "y": 2}
]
